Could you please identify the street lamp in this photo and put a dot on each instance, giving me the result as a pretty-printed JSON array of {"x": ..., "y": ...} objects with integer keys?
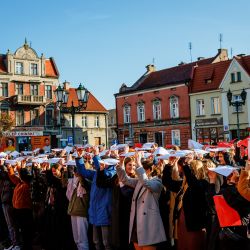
[
  {"x": 62, "y": 99},
  {"x": 237, "y": 104}
]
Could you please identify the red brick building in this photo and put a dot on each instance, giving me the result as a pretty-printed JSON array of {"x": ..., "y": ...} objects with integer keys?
[
  {"x": 156, "y": 107},
  {"x": 27, "y": 82}
]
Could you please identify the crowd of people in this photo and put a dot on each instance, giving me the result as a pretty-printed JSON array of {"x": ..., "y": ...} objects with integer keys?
[{"x": 122, "y": 198}]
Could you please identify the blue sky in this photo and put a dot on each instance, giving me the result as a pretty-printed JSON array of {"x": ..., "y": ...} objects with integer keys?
[{"x": 103, "y": 43}]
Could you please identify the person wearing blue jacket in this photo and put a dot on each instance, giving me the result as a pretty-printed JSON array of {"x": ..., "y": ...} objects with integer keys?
[{"x": 100, "y": 201}]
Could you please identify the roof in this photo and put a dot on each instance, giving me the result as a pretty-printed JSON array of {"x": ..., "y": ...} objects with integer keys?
[
  {"x": 177, "y": 74},
  {"x": 244, "y": 61},
  {"x": 50, "y": 68},
  {"x": 209, "y": 77},
  {"x": 2, "y": 64},
  {"x": 93, "y": 104}
]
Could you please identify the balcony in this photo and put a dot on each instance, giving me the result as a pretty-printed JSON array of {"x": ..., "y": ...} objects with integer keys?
[{"x": 29, "y": 100}]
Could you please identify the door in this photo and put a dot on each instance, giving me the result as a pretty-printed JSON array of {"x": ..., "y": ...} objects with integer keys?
[
  {"x": 143, "y": 138},
  {"x": 158, "y": 139},
  {"x": 97, "y": 141}
]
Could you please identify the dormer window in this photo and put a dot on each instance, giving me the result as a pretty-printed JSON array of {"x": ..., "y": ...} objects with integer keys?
[
  {"x": 33, "y": 69},
  {"x": 236, "y": 77},
  {"x": 207, "y": 81},
  {"x": 19, "y": 68}
]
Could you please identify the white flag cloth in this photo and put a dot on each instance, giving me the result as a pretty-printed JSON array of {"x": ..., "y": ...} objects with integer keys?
[
  {"x": 68, "y": 149},
  {"x": 194, "y": 144},
  {"x": 14, "y": 154}
]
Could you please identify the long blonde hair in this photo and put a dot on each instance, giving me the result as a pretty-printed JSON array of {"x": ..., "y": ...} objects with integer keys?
[{"x": 198, "y": 169}]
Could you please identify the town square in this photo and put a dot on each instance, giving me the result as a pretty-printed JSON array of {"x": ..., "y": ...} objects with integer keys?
[{"x": 125, "y": 125}]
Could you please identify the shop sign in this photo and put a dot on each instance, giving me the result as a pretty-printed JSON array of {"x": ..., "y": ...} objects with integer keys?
[
  {"x": 208, "y": 122},
  {"x": 23, "y": 133}
]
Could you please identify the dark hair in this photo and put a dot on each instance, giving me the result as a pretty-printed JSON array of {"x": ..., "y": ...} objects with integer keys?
[
  {"x": 25, "y": 175},
  {"x": 148, "y": 164}
]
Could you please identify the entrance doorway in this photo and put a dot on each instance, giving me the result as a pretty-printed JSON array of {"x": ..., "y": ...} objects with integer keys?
[
  {"x": 143, "y": 138},
  {"x": 158, "y": 139}
]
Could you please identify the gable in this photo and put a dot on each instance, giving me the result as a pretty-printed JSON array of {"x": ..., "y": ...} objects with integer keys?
[{"x": 235, "y": 67}]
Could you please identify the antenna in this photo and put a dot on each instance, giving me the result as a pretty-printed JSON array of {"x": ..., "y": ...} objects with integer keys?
[
  {"x": 153, "y": 61},
  {"x": 231, "y": 52},
  {"x": 220, "y": 39},
  {"x": 30, "y": 44},
  {"x": 190, "y": 51}
]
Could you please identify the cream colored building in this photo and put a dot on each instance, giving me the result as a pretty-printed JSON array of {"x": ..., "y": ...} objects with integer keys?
[
  {"x": 212, "y": 118},
  {"x": 91, "y": 124},
  {"x": 236, "y": 79}
]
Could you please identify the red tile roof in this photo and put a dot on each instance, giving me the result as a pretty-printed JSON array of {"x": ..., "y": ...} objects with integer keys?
[
  {"x": 50, "y": 68},
  {"x": 93, "y": 104},
  {"x": 244, "y": 61},
  {"x": 2, "y": 64},
  {"x": 214, "y": 72},
  {"x": 177, "y": 74}
]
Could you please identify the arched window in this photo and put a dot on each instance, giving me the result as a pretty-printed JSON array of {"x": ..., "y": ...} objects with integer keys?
[
  {"x": 174, "y": 107},
  {"x": 141, "y": 112},
  {"x": 126, "y": 113},
  {"x": 157, "y": 109}
]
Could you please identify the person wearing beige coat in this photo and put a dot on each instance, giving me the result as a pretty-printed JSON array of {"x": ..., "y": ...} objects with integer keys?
[{"x": 145, "y": 218}]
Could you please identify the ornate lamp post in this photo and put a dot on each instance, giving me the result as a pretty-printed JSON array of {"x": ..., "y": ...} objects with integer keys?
[
  {"x": 62, "y": 100},
  {"x": 237, "y": 104}
]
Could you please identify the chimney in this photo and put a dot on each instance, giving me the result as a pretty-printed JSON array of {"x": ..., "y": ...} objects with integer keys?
[
  {"x": 200, "y": 58},
  {"x": 181, "y": 63},
  {"x": 241, "y": 55},
  {"x": 150, "y": 68},
  {"x": 222, "y": 54},
  {"x": 66, "y": 85}
]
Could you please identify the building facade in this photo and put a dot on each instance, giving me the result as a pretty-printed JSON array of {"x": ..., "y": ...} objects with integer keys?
[
  {"x": 112, "y": 127},
  {"x": 212, "y": 118},
  {"x": 156, "y": 107},
  {"x": 26, "y": 93},
  {"x": 91, "y": 124}
]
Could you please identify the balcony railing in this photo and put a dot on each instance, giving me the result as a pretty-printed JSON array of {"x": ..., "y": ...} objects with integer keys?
[{"x": 30, "y": 99}]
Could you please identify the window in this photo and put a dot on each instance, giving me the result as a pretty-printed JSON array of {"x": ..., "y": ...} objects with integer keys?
[
  {"x": 34, "y": 117},
  {"x": 4, "y": 89},
  {"x": 48, "y": 91},
  {"x": 112, "y": 120},
  {"x": 49, "y": 116},
  {"x": 33, "y": 69},
  {"x": 84, "y": 121},
  {"x": 176, "y": 137},
  {"x": 126, "y": 114},
  {"x": 97, "y": 121},
  {"x": 140, "y": 112},
  {"x": 174, "y": 107},
  {"x": 200, "y": 107},
  {"x": 215, "y": 105},
  {"x": 157, "y": 110},
  {"x": 19, "y": 117},
  {"x": 235, "y": 99},
  {"x": 85, "y": 140},
  {"x": 19, "y": 88},
  {"x": 19, "y": 68},
  {"x": 236, "y": 77},
  {"x": 34, "y": 89}
]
